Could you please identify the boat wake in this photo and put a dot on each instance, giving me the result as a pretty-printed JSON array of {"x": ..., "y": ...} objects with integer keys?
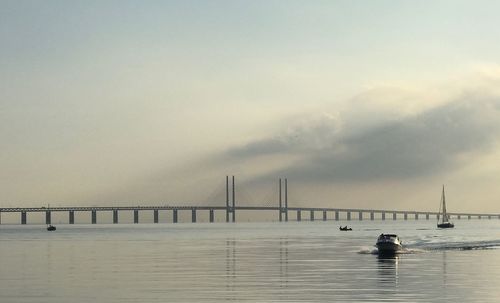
[
  {"x": 440, "y": 246},
  {"x": 404, "y": 251},
  {"x": 474, "y": 245},
  {"x": 368, "y": 251}
]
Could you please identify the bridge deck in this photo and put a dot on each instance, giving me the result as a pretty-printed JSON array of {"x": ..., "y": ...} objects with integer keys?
[{"x": 255, "y": 208}]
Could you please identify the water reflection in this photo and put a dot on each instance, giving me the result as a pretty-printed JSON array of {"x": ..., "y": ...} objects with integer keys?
[
  {"x": 230, "y": 267},
  {"x": 388, "y": 270},
  {"x": 444, "y": 268},
  {"x": 284, "y": 262}
]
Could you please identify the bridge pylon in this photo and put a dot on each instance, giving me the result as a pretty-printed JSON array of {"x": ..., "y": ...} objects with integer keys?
[
  {"x": 283, "y": 207},
  {"x": 230, "y": 206}
]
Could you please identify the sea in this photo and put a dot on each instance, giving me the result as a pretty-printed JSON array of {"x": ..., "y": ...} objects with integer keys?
[{"x": 250, "y": 262}]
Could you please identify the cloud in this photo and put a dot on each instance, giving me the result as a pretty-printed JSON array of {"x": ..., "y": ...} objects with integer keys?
[
  {"x": 317, "y": 133},
  {"x": 334, "y": 148}
]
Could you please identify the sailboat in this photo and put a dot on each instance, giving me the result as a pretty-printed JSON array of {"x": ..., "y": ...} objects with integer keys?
[{"x": 443, "y": 215}]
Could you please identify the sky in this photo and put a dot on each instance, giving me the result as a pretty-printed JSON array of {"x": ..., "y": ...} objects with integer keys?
[{"x": 372, "y": 104}]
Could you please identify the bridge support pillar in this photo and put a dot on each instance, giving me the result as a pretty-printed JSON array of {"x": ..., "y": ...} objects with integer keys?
[
  {"x": 406, "y": 216},
  {"x": 416, "y": 216},
  {"x": 71, "y": 217},
  {"x": 372, "y": 216},
  {"x": 299, "y": 215},
  {"x": 115, "y": 216},
  {"x": 174, "y": 215},
  {"x": 394, "y": 216},
  {"x": 479, "y": 217},
  {"x": 47, "y": 217},
  {"x": 426, "y": 216},
  {"x": 360, "y": 216},
  {"x": 211, "y": 215},
  {"x": 193, "y": 215},
  {"x": 336, "y": 215},
  {"x": 489, "y": 217},
  {"x": 383, "y": 216},
  {"x": 324, "y": 215},
  {"x": 155, "y": 216},
  {"x": 136, "y": 216},
  {"x": 312, "y": 215},
  {"x": 348, "y": 216},
  {"x": 23, "y": 217},
  {"x": 283, "y": 215},
  {"x": 459, "y": 217},
  {"x": 94, "y": 216}
]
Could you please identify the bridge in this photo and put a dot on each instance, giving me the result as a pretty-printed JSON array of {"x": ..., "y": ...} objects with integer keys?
[{"x": 230, "y": 209}]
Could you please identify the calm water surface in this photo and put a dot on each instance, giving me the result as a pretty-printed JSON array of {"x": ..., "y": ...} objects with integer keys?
[{"x": 254, "y": 262}]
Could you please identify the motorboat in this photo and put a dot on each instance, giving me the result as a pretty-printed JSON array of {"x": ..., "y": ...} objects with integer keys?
[
  {"x": 51, "y": 227},
  {"x": 345, "y": 228},
  {"x": 388, "y": 244}
]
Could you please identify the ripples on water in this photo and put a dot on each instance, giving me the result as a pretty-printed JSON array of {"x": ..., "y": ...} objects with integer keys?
[{"x": 254, "y": 262}]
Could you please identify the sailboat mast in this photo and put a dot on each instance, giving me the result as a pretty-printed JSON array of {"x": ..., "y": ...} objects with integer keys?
[{"x": 445, "y": 217}]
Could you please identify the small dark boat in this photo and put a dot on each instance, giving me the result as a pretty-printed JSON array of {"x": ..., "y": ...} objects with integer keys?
[
  {"x": 388, "y": 244},
  {"x": 51, "y": 227},
  {"x": 345, "y": 228},
  {"x": 446, "y": 225}
]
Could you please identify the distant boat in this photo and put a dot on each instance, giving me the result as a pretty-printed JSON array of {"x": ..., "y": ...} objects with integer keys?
[
  {"x": 445, "y": 223},
  {"x": 388, "y": 244},
  {"x": 345, "y": 228}
]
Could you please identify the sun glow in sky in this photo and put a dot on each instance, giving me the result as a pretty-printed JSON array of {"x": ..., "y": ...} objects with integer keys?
[{"x": 358, "y": 103}]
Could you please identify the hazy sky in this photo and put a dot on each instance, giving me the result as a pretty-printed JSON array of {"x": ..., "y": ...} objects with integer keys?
[{"x": 359, "y": 103}]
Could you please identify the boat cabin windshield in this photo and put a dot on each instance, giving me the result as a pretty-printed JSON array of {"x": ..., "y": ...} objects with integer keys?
[{"x": 387, "y": 236}]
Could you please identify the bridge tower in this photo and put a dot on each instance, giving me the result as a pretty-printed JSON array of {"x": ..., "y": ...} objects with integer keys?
[
  {"x": 283, "y": 207},
  {"x": 234, "y": 202},
  {"x": 230, "y": 207},
  {"x": 286, "y": 199},
  {"x": 280, "y": 207},
  {"x": 227, "y": 199}
]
